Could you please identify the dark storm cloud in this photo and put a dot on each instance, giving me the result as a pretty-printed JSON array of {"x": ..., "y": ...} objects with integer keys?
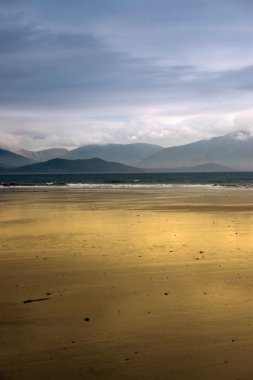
[
  {"x": 35, "y": 62},
  {"x": 39, "y": 62},
  {"x": 30, "y": 39}
]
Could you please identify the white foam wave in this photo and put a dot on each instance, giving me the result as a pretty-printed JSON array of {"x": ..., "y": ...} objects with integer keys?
[
  {"x": 53, "y": 185},
  {"x": 134, "y": 185}
]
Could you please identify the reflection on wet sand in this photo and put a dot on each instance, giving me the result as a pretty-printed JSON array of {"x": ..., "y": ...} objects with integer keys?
[{"x": 126, "y": 284}]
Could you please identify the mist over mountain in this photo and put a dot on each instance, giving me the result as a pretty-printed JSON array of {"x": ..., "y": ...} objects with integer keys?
[
  {"x": 63, "y": 166},
  {"x": 9, "y": 159},
  {"x": 128, "y": 154},
  {"x": 234, "y": 151},
  {"x": 44, "y": 155},
  {"x": 230, "y": 152}
]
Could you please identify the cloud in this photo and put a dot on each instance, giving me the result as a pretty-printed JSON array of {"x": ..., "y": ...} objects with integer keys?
[
  {"x": 154, "y": 126},
  {"x": 80, "y": 72}
]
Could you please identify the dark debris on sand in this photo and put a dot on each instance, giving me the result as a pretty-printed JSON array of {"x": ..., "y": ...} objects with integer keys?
[{"x": 37, "y": 300}]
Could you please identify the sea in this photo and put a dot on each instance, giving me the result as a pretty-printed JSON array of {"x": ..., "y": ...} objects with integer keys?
[{"x": 119, "y": 180}]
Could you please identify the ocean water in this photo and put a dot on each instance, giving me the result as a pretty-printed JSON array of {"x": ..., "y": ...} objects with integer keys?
[{"x": 235, "y": 179}]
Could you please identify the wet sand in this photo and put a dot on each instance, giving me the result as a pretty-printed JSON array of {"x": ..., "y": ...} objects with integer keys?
[{"x": 126, "y": 284}]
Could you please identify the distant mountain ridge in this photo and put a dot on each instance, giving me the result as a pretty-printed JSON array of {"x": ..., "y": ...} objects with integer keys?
[
  {"x": 63, "y": 166},
  {"x": 9, "y": 159},
  {"x": 59, "y": 166},
  {"x": 231, "y": 152},
  {"x": 234, "y": 150},
  {"x": 128, "y": 154}
]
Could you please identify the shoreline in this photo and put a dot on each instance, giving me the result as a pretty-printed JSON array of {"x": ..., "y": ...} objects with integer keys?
[
  {"x": 163, "y": 199},
  {"x": 124, "y": 186}
]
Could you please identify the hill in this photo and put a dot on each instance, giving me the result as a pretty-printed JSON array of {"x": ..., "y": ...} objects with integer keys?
[
  {"x": 205, "y": 168},
  {"x": 234, "y": 150},
  {"x": 62, "y": 166},
  {"x": 9, "y": 159}
]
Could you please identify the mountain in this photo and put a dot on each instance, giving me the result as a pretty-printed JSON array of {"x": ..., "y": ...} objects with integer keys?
[
  {"x": 234, "y": 150},
  {"x": 128, "y": 154},
  {"x": 205, "y": 168},
  {"x": 44, "y": 155},
  {"x": 62, "y": 166},
  {"x": 9, "y": 159}
]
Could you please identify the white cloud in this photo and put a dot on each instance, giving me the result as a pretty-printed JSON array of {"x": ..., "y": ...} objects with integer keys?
[{"x": 156, "y": 126}]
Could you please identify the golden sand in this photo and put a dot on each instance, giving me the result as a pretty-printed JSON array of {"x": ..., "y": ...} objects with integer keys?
[{"x": 126, "y": 283}]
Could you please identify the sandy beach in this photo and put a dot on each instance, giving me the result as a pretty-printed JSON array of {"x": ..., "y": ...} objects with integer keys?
[{"x": 127, "y": 283}]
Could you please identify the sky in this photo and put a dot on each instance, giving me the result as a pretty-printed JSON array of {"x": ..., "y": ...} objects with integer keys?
[{"x": 166, "y": 72}]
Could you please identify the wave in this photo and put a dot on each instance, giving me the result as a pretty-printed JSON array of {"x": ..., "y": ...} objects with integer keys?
[
  {"x": 124, "y": 186},
  {"x": 131, "y": 180}
]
